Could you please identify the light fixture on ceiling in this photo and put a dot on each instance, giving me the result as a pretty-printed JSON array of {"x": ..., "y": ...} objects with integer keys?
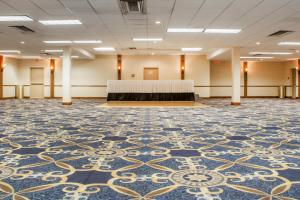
[
  {"x": 289, "y": 43},
  {"x": 22, "y": 42},
  {"x": 258, "y": 43},
  {"x": 105, "y": 49},
  {"x": 191, "y": 49},
  {"x": 71, "y": 56},
  {"x": 270, "y": 53},
  {"x": 58, "y": 42},
  {"x": 53, "y": 51},
  {"x": 87, "y": 42},
  {"x": 60, "y": 22},
  {"x": 234, "y": 31},
  {"x": 185, "y": 30},
  {"x": 31, "y": 57},
  {"x": 15, "y": 18},
  {"x": 157, "y": 22},
  {"x": 10, "y": 51},
  {"x": 256, "y": 57},
  {"x": 147, "y": 39}
]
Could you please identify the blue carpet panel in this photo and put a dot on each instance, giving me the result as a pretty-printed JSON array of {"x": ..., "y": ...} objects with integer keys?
[{"x": 84, "y": 151}]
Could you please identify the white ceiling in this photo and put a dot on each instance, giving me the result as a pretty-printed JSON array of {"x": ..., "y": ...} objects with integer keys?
[{"x": 102, "y": 20}]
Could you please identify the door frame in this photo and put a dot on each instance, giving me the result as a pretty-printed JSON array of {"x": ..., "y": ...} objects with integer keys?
[
  {"x": 151, "y": 68},
  {"x": 42, "y": 84}
]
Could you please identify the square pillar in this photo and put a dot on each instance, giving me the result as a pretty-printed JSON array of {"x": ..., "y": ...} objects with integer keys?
[
  {"x": 236, "y": 77},
  {"x": 66, "y": 76}
]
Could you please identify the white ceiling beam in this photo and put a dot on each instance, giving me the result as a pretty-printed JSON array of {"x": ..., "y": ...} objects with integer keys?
[
  {"x": 216, "y": 53},
  {"x": 85, "y": 53}
]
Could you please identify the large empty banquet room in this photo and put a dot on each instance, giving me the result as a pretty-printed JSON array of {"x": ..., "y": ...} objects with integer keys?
[{"x": 149, "y": 100}]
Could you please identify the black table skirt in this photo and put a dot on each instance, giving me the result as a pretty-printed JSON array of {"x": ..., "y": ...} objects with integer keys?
[{"x": 151, "y": 97}]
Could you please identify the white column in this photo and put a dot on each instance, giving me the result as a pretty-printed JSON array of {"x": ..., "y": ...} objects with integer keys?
[
  {"x": 66, "y": 76},
  {"x": 236, "y": 77}
]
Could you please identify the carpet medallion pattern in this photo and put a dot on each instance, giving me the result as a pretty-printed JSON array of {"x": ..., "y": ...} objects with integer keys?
[{"x": 84, "y": 151}]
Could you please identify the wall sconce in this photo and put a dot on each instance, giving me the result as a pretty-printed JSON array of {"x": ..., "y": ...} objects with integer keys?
[
  {"x": 182, "y": 68},
  {"x": 119, "y": 67},
  {"x": 246, "y": 69},
  {"x": 4, "y": 65}
]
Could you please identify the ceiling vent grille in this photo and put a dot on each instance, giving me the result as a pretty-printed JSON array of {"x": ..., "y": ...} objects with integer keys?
[
  {"x": 280, "y": 33},
  {"x": 133, "y": 6},
  {"x": 23, "y": 29}
]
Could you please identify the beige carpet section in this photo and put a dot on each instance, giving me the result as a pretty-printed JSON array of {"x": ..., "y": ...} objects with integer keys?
[{"x": 152, "y": 104}]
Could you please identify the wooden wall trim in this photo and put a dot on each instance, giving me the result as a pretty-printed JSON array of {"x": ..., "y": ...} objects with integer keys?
[
  {"x": 52, "y": 78},
  {"x": 119, "y": 67},
  {"x": 182, "y": 66},
  {"x": 245, "y": 69},
  {"x": 1, "y": 75}
]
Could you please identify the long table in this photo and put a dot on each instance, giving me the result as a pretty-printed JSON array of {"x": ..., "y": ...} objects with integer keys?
[{"x": 148, "y": 90}]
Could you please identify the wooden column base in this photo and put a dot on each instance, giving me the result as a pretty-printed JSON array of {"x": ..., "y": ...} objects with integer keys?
[
  {"x": 235, "y": 103},
  {"x": 67, "y": 103}
]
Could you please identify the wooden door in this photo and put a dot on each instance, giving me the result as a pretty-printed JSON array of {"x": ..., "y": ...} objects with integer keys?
[
  {"x": 37, "y": 83},
  {"x": 151, "y": 74}
]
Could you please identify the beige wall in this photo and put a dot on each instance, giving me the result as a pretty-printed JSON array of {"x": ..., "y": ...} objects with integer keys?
[
  {"x": 259, "y": 74},
  {"x": 96, "y": 72},
  {"x": 10, "y": 76},
  {"x": 196, "y": 68},
  {"x": 220, "y": 75}
]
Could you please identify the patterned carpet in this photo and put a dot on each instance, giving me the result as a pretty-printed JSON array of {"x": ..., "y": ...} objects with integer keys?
[{"x": 85, "y": 151}]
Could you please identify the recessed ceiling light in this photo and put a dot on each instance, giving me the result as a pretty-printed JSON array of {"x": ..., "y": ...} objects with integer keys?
[
  {"x": 271, "y": 53},
  {"x": 258, "y": 43},
  {"x": 10, "y": 51},
  {"x": 104, "y": 49},
  {"x": 157, "y": 22},
  {"x": 222, "y": 30},
  {"x": 22, "y": 42},
  {"x": 60, "y": 22},
  {"x": 147, "y": 39},
  {"x": 31, "y": 57},
  {"x": 71, "y": 56},
  {"x": 87, "y": 42},
  {"x": 53, "y": 50},
  {"x": 58, "y": 42},
  {"x": 256, "y": 57},
  {"x": 289, "y": 43},
  {"x": 191, "y": 49},
  {"x": 185, "y": 30},
  {"x": 15, "y": 18}
]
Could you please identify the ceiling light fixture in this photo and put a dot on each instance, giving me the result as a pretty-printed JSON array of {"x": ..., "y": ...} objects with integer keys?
[
  {"x": 289, "y": 43},
  {"x": 87, "y": 42},
  {"x": 10, "y": 51},
  {"x": 157, "y": 22},
  {"x": 58, "y": 42},
  {"x": 256, "y": 57},
  {"x": 185, "y": 30},
  {"x": 22, "y": 42},
  {"x": 15, "y": 18},
  {"x": 147, "y": 39},
  {"x": 104, "y": 49},
  {"x": 222, "y": 30},
  {"x": 258, "y": 43},
  {"x": 60, "y": 22},
  {"x": 191, "y": 49},
  {"x": 53, "y": 51},
  {"x": 271, "y": 53}
]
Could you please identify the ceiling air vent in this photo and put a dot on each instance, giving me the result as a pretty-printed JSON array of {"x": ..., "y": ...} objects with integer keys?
[
  {"x": 133, "y": 6},
  {"x": 132, "y": 48},
  {"x": 24, "y": 29},
  {"x": 280, "y": 33}
]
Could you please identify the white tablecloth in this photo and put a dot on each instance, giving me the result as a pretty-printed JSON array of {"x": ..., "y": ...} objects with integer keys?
[{"x": 141, "y": 86}]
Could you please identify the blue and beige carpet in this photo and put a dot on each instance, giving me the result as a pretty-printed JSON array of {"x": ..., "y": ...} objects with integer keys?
[{"x": 85, "y": 151}]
